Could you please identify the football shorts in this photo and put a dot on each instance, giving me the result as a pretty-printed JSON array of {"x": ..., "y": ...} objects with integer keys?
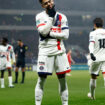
[{"x": 47, "y": 64}]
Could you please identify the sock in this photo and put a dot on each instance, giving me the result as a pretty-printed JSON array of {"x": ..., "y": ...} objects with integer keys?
[
  {"x": 39, "y": 90},
  {"x": 23, "y": 76},
  {"x": 92, "y": 87},
  {"x": 2, "y": 82},
  {"x": 63, "y": 89},
  {"x": 10, "y": 80},
  {"x": 16, "y": 76}
]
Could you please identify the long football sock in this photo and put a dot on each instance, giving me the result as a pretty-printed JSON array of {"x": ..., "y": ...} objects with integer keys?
[
  {"x": 10, "y": 81},
  {"x": 16, "y": 76},
  {"x": 92, "y": 87},
  {"x": 39, "y": 90},
  {"x": 63, "y": 89},
  {"x": 23, "y": 76},
  {"x": 2, "y": 83}
]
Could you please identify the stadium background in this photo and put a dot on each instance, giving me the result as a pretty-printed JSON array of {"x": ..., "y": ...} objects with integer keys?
[{"x": 17, "y": 21}]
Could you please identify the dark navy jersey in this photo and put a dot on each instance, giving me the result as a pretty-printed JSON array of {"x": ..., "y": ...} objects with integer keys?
[{"x": 20, "y": 52}]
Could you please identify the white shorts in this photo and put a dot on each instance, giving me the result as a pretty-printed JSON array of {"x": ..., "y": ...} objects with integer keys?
[
  {"x": 95, "y": 67},
  {"x": 4, "y": 64},
  {"x": 47, "y": 64}
]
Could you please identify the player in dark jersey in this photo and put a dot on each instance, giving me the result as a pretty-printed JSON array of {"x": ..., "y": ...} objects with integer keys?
[{"x": 20, "y": 52}]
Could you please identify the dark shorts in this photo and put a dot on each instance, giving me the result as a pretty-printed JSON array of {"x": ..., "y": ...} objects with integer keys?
[{"x": 20, "y": 63}]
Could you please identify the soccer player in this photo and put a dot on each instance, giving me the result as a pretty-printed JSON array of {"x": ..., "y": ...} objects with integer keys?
[
  {"x": 53, "y": 29},
  {"x": 6, "y": 55},
  {"x": 20, "y": 52},
  {"x": 97, "y": 53}
]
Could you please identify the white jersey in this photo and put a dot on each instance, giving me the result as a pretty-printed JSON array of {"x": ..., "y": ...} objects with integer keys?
[
  {"x": 97, "y": 44},
  {"x": 52, "y": 33}
]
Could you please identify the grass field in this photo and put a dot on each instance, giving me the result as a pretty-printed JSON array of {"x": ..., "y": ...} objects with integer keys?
[{"x": 78, "y": 84}]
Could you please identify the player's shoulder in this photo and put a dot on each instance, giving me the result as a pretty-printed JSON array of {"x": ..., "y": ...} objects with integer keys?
[
  {"x": 92, "y": 33},
  {"x": 63, "y": 15},
  {"x": 39, "y": 15}
]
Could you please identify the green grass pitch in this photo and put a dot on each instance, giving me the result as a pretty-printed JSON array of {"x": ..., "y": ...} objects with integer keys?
[{"x": 78, "y": 84}]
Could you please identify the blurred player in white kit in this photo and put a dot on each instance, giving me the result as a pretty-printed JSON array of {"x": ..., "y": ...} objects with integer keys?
[
  {"x": 6, "y": 55},
  {"x": 97, "y": 53},
  {"x": 53, "y": 28}
]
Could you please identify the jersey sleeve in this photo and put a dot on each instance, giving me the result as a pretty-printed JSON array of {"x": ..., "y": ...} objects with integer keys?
[
  {"x": 64, "y": 30},
  {"x": 91, "y": 37},
  {"x": 43, "y": 24},
  {"x": 91, "y": 42},
  {"x": 13, "y": 54}
]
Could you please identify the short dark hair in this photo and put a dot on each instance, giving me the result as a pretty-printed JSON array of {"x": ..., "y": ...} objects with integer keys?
[
  {"x": 5, "y": 39},
  {"x": 40, "y": 1},
  {"x": 98, "y": 22}
]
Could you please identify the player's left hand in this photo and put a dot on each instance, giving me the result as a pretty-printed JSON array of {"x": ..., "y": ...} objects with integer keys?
[{"x": 92, "y": 56}]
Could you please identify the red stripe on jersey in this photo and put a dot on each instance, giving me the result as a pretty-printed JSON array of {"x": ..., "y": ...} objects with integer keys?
[
  {"x": 7, "y": 57},
  {"x": 58, "y": 44},
  {"x": 67, "y": 71},
  {"x": 60, "y": 18},
  {"x": 103, "y": 72},
  {"x": 41, "y": 25},
  {"x": 92, "y": 41},
  {"x": 56, "y": 29}
]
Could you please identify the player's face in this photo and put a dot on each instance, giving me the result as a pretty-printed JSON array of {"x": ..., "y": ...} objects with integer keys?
[
  {"x": 47, "y": 4},
  {"x": 19, "y": 43}
]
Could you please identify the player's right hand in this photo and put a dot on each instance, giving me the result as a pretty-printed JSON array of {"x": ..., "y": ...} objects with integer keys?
[
  {"x": 51, "y": 11},
  {"x": 92, "y": 56}
]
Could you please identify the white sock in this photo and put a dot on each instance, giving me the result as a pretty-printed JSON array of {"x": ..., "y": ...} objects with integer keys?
[
  {"x": 63, "y": 89},
  {"x": 39, "y": 90},
  {"x": 2, "y": 82},
  {"x": 92, "y": 87},
  {"x": 10, "y": 80}
]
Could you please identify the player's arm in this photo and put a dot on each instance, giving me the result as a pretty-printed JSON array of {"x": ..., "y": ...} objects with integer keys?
[
  {"x": 13, "y": 55},
  {"x": 43, "y": 26},
  {"x": 91, "y": 46},
  {"x": 64, "y": 34}
]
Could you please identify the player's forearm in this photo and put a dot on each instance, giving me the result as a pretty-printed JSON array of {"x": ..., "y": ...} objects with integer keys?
[
  {"x": 45, "y": 29},
  {"x": 63, "y": 35},
  {"x": 91, "y": 47},
  {"x": 13, "y": 57}
]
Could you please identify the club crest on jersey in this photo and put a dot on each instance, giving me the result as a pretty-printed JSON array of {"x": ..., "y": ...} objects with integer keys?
[{"x": 41, "y": 68}]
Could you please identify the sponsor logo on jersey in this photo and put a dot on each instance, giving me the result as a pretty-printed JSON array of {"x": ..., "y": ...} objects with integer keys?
[{"x": 41, "y": 63}]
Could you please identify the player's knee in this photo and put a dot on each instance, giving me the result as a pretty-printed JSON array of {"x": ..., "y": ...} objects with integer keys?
[
  {"x": 61, "y": 76},
  {"x": 38, "y": 94}
]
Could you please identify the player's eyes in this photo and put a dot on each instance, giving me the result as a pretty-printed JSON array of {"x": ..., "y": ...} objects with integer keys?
[{"x": 47, "y": 2}]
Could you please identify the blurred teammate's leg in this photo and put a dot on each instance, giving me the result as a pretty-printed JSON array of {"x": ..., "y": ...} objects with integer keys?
[
  {"x": 39, "y": 89},
  {"x": 10, "y": 78},
  {"x": 2, "y": 79}
]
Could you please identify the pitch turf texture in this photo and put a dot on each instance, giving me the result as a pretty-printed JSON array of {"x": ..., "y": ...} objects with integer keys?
[{"x": 78, "y": 83}]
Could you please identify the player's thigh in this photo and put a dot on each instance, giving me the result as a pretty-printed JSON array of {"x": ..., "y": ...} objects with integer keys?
[
  {"x": 103, "y": 67},
  {"x": 95, "y": 68},
  {"x": 2, "y": 64},
  {"x": 45, "y": 64},
  {"x": 8, "y": 65},
  {"x": 62, "y": 63}
]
